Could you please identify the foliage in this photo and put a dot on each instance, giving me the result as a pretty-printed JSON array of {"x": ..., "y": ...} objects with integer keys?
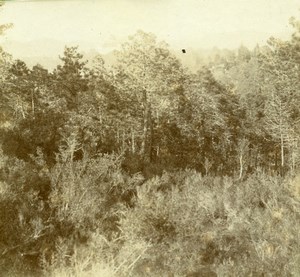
[
  {"x": 147, "y": 169},
  {"x": 218, "y": 224}
]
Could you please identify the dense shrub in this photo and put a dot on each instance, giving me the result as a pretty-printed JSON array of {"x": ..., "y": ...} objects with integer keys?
[
  {"x": 45, "y": 209},
  {"x": 216, "y": 225},
  {"x": 88, "y": 218}
]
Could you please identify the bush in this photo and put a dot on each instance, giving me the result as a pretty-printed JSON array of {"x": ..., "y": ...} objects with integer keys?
[
  {"x": 226, "y": 227},
  {"x": 87, "y": 217},
  {"x": 67, "y": 202}
]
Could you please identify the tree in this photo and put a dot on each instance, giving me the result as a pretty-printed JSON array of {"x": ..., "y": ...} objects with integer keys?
[
  {"x": 244, "y": 54},
  {"x": 71, "y": 76},
  {"x": 213, "y": 117},
  {"x": 5, "y": 64},
  {"x": 153, "y": 75},
  {"x": 18, "y": 89},
  {"x": 280, "y": 72},
  {"x": 114, "y": 110},
  {"x": 279, "y": 123}
]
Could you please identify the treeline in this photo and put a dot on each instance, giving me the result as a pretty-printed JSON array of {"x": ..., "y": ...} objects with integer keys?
[
  {"x": 231, "y": 117},
  {"x": 80, "y": 144}
]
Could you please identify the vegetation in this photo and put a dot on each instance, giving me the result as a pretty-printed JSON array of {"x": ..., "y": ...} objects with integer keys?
[{"x": 148, "y": 169}]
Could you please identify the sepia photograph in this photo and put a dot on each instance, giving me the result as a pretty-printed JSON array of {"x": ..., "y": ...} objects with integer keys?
[{"x": 149, "y": 138}]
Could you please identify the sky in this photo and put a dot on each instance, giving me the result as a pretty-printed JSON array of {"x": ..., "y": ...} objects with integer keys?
[{"x": 43, "y": 28}]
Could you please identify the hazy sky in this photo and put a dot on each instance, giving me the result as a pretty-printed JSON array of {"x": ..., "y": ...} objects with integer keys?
[{"x": 46, "y": 26}]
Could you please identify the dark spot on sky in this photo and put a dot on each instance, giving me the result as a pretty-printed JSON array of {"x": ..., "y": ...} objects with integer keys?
[{"x": 183, "y": 51}]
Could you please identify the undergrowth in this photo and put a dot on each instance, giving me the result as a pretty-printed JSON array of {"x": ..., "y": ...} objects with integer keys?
[{"x": 89, "y": 218}]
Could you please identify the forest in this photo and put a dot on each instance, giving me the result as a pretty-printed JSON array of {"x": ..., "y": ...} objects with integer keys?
[{"x": 147, "y": 168}]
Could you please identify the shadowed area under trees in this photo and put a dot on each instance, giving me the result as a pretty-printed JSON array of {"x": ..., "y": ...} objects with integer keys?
[{"x": 145, "y": 168}]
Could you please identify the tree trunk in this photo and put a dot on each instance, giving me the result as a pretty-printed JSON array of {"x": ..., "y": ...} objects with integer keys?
[
  {"x": 32, "y": 102},
  {"x": 123, "y": 141},
  {"x": 241, "y": 166},
  {"x": 144, "y": 136},
  {"x": 118, "y": 135},
  {"x": 276, "y": 160},
  {"x": 282, "y": 153},
  {"x": 147, "y": 130},
  {"x": 132, "y": 141}
]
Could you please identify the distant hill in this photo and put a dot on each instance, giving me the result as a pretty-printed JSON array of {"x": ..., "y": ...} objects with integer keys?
[{"x": 46, "y": 53}]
